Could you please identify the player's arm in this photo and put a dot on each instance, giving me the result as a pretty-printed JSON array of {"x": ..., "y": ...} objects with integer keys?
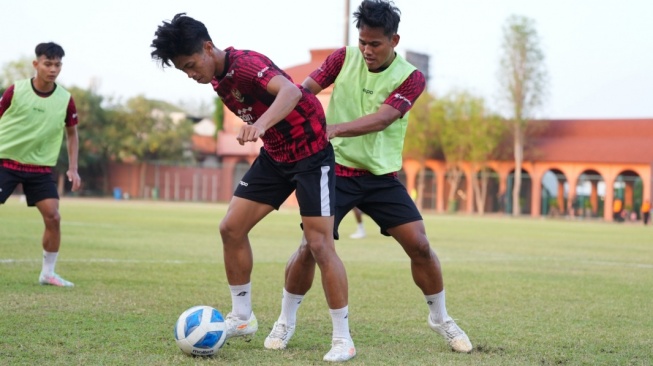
[
  {"x": 287, "y": 95},
  {"x": 72, "y": 145},
  {"x": 398, "y": 103},
  {"x": 311, "y": 85},
  {"x": 5, "y": 100},
  {"x": 377, "y": 121},
  {"x": 327, "y": 73}
]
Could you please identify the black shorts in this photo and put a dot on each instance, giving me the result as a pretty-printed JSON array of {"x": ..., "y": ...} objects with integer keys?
[
  {"x": 382, "y": 197},
  {"x": 270, "y": 182},
  {"x": 36, "y": 186}
]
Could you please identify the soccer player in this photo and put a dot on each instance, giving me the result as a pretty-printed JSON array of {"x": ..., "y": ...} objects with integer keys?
[
  {"x": 33, "y": 116},
  {"x": 367, "y": 117},
  {"x": 296, "y": 156}
]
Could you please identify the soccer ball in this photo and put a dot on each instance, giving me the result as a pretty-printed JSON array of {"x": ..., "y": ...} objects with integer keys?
[{"x": 200, "y": 331}]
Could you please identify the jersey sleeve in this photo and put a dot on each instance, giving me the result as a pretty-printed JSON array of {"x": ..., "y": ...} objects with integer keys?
[
  {"x": 5, "y": 100},
  {"x": 71, "y": 113},
  {"x": 326, "y": 74},
  {"x": 256, "y": 72},
  {"x": 406, "y": 94}
]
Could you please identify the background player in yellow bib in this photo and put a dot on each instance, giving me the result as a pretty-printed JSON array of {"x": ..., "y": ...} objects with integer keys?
[{"x": 34, "y": 113}]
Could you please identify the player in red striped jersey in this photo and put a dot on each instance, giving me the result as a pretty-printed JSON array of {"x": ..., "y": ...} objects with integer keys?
[{"x": 296, "y": 156}]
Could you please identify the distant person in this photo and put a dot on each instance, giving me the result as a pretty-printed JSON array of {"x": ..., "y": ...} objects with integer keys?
[
  {"x": 296, "y": 157},
  {"x": 617, "y": 207},
  {"x": 374, "y": 89},
  {"x": 646, "y": 211},
  {"x": 34, "y": 113},
  {"x": 360, "y": 227}
]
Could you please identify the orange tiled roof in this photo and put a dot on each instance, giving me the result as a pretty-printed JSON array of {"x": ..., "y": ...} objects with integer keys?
[
  {"x": 597, "y": 141},
  {"x": 204, "y": 144}
]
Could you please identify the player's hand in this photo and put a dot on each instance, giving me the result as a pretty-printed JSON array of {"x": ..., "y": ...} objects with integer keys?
[
  {"x": 249, "y": 133},
  {"x": 331, "y": 131},
  {"x": 74, "y": 178}
]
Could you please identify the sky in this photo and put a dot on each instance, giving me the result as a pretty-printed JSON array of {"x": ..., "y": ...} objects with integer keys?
[{"x": 598, "y": 53}]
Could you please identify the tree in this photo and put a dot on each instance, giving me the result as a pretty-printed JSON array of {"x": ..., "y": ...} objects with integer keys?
[
  {"x": 467, "y": 132},
  {"x": 421, "y": 142},
  {"x": 218, "y": 115},
  {"x": 147, "y": 132},
  {"x": 96, "y": 144},
  {"x": 485, "y": 133},
  {"x": 451, "y": 115},
  {"x": 523, "y": 79},
  {"x": 16, "y": 70}
]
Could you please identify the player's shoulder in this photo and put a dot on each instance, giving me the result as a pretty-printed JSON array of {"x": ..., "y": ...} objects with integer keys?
[
  {"x": 241, "y": 56},
  {"x": 417, "y": 77}
]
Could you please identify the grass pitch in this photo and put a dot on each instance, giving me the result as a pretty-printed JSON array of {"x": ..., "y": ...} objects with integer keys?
[{"x": 526, "y": 291}]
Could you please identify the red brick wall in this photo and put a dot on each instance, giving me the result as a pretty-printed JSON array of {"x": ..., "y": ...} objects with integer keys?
[{"x": 171, "y": 183}]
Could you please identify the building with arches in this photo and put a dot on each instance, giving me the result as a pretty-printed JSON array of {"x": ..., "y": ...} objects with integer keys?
[{"x": 573, "y": 167}]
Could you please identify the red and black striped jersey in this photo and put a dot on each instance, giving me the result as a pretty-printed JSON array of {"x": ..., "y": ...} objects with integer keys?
[{"x": 243, "y": 89}]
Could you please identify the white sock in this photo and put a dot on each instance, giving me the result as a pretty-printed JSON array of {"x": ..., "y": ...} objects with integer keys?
[
  {"x": 241, "y": 300},
  {"x": 361, "y": 228},
  {"x": 289, "y": 306},
  {"x": 340, "y": 319},
  {"x": 49, "y": 261},
  {"x": 437, "y": 307}
]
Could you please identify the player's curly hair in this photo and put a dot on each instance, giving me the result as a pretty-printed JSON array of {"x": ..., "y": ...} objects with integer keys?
[
  {"x": 50, "y": 50},
  {"x": 183, "y": 36},
  {"x": 378, "y": 14}
]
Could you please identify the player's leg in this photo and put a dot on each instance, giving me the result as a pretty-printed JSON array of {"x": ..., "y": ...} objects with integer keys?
[
  {"x": 242, "y": 215},
  {"x": 427, "y": 274},
  {"x": 360, "y": 228},
  {"x": 389, "y": 204},
  {"x": 319, "y": 238},
  {"x": 261, "y": 191},
  {"x": 41, "y": 191},
  {"x": 315, "y": 193},
  {"x": 299, "y": 274},
  {"x": 49, "y": 209},
  {"x": 9, "y": 179}
]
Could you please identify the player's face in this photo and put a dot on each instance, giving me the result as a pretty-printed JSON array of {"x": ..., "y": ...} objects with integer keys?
[
  {"x": 377, "y": 48},
  {"x": 198, "y": 66},
  {"x": 47, "y": 69}
]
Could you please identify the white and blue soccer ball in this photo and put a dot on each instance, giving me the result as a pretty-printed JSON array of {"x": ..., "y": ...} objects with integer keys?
[{"x": 200, "y": 331}]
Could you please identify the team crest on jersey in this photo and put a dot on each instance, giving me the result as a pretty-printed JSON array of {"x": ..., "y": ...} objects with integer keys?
[
  {"x": 245, "y": 115},
  {"x": 239, "y": 97}
]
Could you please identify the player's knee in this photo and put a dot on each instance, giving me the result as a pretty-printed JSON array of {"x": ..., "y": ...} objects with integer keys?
[
  {"x": 420, "y": 250},
  {"x": 320, "y": 250},
  {"x": 303, "y": 253},
  {"x": 229, "y": 230},
  {"x": 52, "y": 220}
]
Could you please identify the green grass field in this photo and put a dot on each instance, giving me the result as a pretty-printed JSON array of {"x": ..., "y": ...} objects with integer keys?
[{"x": 527, "y": 292}]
